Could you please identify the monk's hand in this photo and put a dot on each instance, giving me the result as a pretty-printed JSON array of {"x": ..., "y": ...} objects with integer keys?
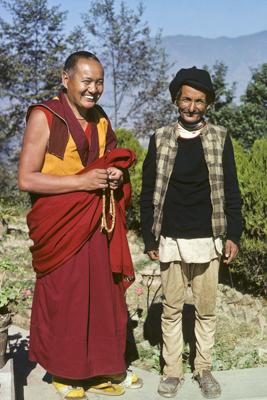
[
  {"x": 115, "y": 177},
  {"x": 153, "y": 254},
  {"x": 95, "y": 179},
  {"x": 230, "y": 251}
]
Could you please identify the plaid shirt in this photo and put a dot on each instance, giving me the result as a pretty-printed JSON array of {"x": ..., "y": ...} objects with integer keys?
[{"x": 212, "y": 138}]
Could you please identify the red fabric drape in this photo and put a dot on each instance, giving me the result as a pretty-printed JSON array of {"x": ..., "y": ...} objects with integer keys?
[{"x": 59, "y": 225}]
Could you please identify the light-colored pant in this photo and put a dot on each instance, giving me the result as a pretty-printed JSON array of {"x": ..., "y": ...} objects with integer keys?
[{"x": 175, "y": 277}]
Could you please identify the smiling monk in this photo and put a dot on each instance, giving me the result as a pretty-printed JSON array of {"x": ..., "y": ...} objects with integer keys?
[{"x": 69, "y": 165}]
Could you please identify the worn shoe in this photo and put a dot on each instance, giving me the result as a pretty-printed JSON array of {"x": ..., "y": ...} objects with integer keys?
[
  {"x": 210, "y": 388},
  {"x": 168, "y": 386}
]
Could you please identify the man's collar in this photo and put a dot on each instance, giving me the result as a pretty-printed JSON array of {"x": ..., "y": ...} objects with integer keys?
[{"x": 192, "y": 127}]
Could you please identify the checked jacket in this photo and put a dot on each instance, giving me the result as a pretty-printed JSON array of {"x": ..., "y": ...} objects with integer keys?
[{"x": 212, "y": 138}]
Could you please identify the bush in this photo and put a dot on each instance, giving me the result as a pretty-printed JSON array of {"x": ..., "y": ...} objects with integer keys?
[
  {"x": 10, "y": 194},
  {"x": 252, "y": 168},
  {"x": 250, "y": 266},
  {"x": 126, "y": 139}
]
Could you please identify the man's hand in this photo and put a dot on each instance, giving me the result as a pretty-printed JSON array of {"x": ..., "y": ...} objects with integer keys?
[
  {"x": 94, "y": 179},
  {"x": 115, "y": 177},
  {"x": 230, "y": 251},
  {"x": 153, "y": 254}
]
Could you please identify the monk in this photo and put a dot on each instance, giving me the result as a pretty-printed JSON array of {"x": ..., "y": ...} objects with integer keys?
[{"x": 70, "y": 167}]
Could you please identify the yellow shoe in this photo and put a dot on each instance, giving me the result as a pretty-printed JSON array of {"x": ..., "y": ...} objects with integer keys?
[
  {"x": 132, "y": 381},
  {"x": 128, "y": 379},
  {"x": 107, "y": 388},
  {"x": 69, "y": 392}
]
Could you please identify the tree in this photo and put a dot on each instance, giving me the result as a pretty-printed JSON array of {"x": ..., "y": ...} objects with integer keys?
[
  {"x": 30, "y": 58},
  {"x": 32, "y": 47},
  {"x": 247, "y": 121},
  {"x": 256, "y": 92},
  {"x": 254, "y": 108},
  {"x": 223, "y": 94},
  {"x": 158, "y": 110},
  {"x": 136, "y": 64}
]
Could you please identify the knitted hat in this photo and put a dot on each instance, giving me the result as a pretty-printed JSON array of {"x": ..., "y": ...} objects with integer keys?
[{"x": 197, "y": 78}]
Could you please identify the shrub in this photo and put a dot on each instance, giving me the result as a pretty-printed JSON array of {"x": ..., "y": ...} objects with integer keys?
[
  {"x": 250, "y": 266},
  {"x": 252, "y": 168},
  {"x": 126, "y": 139}
]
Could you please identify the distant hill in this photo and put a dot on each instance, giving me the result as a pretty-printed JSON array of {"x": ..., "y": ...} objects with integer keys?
[{"x": 239, "y": 54}]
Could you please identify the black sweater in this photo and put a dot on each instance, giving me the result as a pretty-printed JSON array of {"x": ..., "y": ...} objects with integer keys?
[{"x": 187, "y": 208}]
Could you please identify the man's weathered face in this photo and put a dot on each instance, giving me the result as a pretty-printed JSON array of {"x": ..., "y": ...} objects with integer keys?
[
  {"x": 84, "y": 84},
  {"x": 192, "y": 104}
]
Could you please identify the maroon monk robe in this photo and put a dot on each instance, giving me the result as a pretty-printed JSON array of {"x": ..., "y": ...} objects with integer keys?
[
  {"x": 79, "y": 316},
  {"x": 60, "y": 224}
]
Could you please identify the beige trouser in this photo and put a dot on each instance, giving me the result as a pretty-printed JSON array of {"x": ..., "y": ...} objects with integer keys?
[{"x": 175, "y": 277}]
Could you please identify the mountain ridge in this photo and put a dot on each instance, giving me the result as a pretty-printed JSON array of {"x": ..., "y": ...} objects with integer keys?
[{"x": 240, "y": 54}]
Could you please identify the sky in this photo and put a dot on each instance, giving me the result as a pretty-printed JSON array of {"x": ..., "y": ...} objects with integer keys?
[{"x": 206, "y": 18}]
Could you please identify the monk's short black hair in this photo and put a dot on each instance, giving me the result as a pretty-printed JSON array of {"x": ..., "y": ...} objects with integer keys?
[{"x": 72, "y": 60}]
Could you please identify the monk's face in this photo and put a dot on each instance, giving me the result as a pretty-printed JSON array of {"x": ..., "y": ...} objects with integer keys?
[
  {"x": 84, "y": 84},
  {"x": 192, "y": 104}
]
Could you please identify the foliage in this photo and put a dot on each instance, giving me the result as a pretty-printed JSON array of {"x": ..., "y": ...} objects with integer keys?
[
  {"x": 126, "y": 139},
  {"x": 256, "y": 92},
  {"x": 250, "y": 268},
  {"x": 254, "y": 107},
  {"x": 158, "y": 110},
  {"x": 30, "y": 63},
  {"x": 10, "y": 208},
  {"x": 252, "y": 171},
  {"x": 136, "y": 64},
  {"x": 16, "y": 274},
  {"x": 9, "y": 289},
  {"x": 247, "y": 121},
  {"x": 229, "y": 349},
  {"x": 29, "y": 67},
  {"x": 31, "y": 57},
  {"x": 10, "y": 195},
  {"x": 149, "y": 357},
  {"x": 223, "y": 95}
]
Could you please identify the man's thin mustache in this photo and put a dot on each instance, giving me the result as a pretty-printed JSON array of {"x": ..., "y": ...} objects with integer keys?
[{"x": 192, "y": 112}]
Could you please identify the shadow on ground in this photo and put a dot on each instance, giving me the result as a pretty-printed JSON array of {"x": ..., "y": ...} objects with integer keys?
[{"x": 18, "y": 351}]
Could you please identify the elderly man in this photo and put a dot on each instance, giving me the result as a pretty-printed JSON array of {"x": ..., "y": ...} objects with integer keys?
[
  {"x": 71, "y": 168},
  {"x": 190, "y": 200}
]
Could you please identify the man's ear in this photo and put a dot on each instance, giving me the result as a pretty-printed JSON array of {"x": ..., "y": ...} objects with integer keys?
[{"x": 64, "y": 79}]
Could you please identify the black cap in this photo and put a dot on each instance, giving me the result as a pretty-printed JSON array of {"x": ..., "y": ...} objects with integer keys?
[{"x": 197, "y": 78}]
